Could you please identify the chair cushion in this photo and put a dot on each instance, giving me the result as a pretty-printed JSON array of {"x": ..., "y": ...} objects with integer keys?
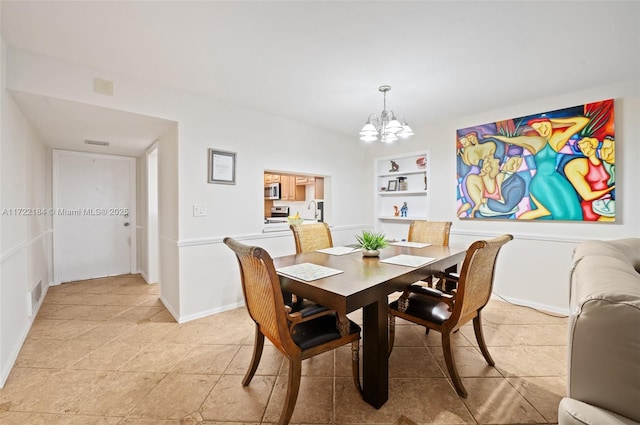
[
  {"x": 425, "y": 308},
  {"x": 318, "y": 331},
  {"x": 308, "y": 308}
]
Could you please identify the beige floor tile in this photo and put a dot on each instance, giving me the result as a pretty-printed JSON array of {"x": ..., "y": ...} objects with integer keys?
[
  {"x": 469, "y": 362},
  {"x": 116, "y": 394},
  {"x": 314, "y": 404},
  {"x": 106, "y": 331},
  {"x": 531, "y": 360},
  {"x": 110, "y": 356},
  {"x": 22, "y": 418},
  {"x": 162, "y": 316},
  {"x": 543, "y": 393},
  {"x": 434, "y": 338},
  {"x": 146, "y": 331},
  {"x": 270, "y": 362},
  {"x": 536, "y": 334},
  {"x": 47, "y": 390},
  {"x": 495, "y": 401},
  {"x": 139, "y": 421},
  {"x": 319, "y": 365},
  {"x": 87, "y": 312},
  {"x": 60, "y": 329},
  {"x": 76, "y": 326},
  {"x": 343, "y": 363},
  {"x": 222, "y": 333},
  {"x": 413, "y": 362},
  {"x": 158, "y": 357},
  {"x": 137, "y": 314},
  {"x": 408, "y": 335},
  {"x": 492, "y": 335},
  {"x": 45, "y": 353},
  {"x": 418, "y": 399},
  {"x": 207, "y": 359},
  {"x": 229, "y": 401},
  {"x": 188, "y": 333},
  {"x": 175, "y": 396},
  {"x": 520, "y": 316}
]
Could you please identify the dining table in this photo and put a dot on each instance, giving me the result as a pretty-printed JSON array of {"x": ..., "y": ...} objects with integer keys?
[{"x": 366, "y": 282}]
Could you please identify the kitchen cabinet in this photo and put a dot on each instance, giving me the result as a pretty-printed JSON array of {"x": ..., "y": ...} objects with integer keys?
[
  {"x": 272, "y": 178},
  {"x": 319, "y": 187},
  {"x": 289, "y": 191},
  {"x": 304, "y": 180},
  {"x": 399, "y": 179}
]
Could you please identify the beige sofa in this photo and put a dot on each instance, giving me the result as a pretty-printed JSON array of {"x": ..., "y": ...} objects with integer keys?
[{"x": 604, "y": 335}]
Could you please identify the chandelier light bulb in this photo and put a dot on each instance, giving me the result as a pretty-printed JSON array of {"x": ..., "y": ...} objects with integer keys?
[{"x": 385, "y": 126}]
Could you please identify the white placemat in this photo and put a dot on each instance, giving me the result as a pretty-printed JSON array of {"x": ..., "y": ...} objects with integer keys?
[
  {"x": 408, "y": 260},
  {"x": 411, "y": 244},
  {"x": 307, "y": 271},
  {"x": 338, "y": 250}
]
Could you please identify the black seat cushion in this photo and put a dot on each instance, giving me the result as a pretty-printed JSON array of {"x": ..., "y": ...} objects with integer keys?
[
  {"x": 318, "y": 331},
  {"x": 425, "y": 308},
  {"x": 307, "y": 308}
]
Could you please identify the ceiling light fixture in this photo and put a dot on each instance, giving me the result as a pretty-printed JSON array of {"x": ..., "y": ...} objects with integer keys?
[{"x": 385, "y": 127}]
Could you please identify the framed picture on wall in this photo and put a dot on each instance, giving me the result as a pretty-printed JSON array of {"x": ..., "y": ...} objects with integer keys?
[{"x": 222, "y": 167}]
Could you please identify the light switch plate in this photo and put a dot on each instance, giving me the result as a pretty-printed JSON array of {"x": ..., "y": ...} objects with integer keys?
[{"x": 200, "y": 210}]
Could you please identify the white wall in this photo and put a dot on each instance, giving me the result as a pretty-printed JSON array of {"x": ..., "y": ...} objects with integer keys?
[
  {"x": 534, "y": 269},
  {"x": 25, "y": 236},
  {"x": 196, "y": 275},
  {"x": 189, "y": 248}
]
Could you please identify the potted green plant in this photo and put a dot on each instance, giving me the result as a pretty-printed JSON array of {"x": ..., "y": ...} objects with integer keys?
[{"x": 371, "y": 242}]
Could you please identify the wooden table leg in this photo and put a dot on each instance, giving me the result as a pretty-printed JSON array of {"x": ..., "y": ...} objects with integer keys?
[{"x": 375, "y": 367}]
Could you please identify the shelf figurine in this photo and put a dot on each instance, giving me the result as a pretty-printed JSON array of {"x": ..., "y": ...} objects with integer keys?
[
  {"x": 396, "y": 212},
  {"x": 394, "y": 166},
  {"x": 403, "y": 210}
]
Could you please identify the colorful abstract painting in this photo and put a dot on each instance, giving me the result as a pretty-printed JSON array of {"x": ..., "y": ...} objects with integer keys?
[{"x": 557, "y": 165}]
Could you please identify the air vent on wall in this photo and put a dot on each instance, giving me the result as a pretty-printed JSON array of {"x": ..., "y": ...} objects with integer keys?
[
  {"x": 96, "y": 142},
  {"x": 101, "y": 86}
]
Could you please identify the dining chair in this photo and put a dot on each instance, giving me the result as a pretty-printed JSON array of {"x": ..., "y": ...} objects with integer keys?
[
  {"x": 297, "y": 337},
  {"x": 446, "y": 313},
  {"x": 434, "y": 233},
  {"x": 309, "y": 238}
]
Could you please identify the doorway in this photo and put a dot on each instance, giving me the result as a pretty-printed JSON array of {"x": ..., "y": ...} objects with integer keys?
[{"x": 94, "y": 212}]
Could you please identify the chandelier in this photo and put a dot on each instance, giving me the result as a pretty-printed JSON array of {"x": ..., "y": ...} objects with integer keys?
[{"x": 385, "y": 127}]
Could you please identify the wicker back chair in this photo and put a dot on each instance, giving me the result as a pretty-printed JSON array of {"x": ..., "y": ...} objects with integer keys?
[
  {"x": 447, "y": 313},
  {"x": 432, "y": 232},
  {"x": 311, "y": 237},
  {"x": 298, "y": 337}
]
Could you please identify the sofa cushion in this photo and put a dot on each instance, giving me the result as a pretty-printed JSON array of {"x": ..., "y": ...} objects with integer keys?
[
  {"x": 574, "y": 412},
  {"x": 604, "y": 341},
  {"x": 628, "y": 249}
]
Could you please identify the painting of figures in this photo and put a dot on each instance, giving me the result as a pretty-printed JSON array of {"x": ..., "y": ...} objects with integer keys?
[{"x": 557, "y": 165}]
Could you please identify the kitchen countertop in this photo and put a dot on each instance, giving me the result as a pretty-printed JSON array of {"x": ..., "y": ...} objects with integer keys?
[{"x": 279, "y": 227}]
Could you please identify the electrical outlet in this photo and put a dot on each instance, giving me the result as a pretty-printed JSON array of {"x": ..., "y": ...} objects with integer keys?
[{"x": 199, "y": 210}]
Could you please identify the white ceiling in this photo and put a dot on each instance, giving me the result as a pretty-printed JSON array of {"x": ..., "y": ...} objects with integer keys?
[{"x": 322, "y": 62}]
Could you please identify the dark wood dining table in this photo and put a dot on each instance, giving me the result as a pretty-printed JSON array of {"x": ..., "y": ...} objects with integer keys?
[{"x": 366, "y": 282}]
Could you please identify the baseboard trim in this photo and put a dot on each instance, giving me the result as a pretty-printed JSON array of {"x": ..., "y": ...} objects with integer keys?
[
  {"x": 545, "y": 308},
  {"x": 11, "y": 361},
  {"x": 210, "y": 312}
]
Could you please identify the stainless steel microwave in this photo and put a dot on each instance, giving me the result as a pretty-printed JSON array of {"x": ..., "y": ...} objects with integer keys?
[{"x": 272, "y": 191}]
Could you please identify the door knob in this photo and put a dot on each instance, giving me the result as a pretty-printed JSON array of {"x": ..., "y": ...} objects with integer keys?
[{"x": 126, "y": 224}]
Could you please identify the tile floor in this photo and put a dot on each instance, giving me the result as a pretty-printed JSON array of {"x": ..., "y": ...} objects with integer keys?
[{"x": 107, "y": 352}]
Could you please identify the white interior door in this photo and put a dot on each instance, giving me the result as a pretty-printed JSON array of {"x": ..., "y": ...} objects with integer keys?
[{"x": 94, "y": 215}]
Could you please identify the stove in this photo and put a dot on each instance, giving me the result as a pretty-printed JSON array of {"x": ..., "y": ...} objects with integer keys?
[{"x": 278, "y": 215}]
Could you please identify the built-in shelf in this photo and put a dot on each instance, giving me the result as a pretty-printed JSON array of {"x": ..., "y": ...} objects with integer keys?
[
  {"x": 403, "y": 193},
  {"x": 394, "y": 218},
  {"x": 415, "y": 174}
]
